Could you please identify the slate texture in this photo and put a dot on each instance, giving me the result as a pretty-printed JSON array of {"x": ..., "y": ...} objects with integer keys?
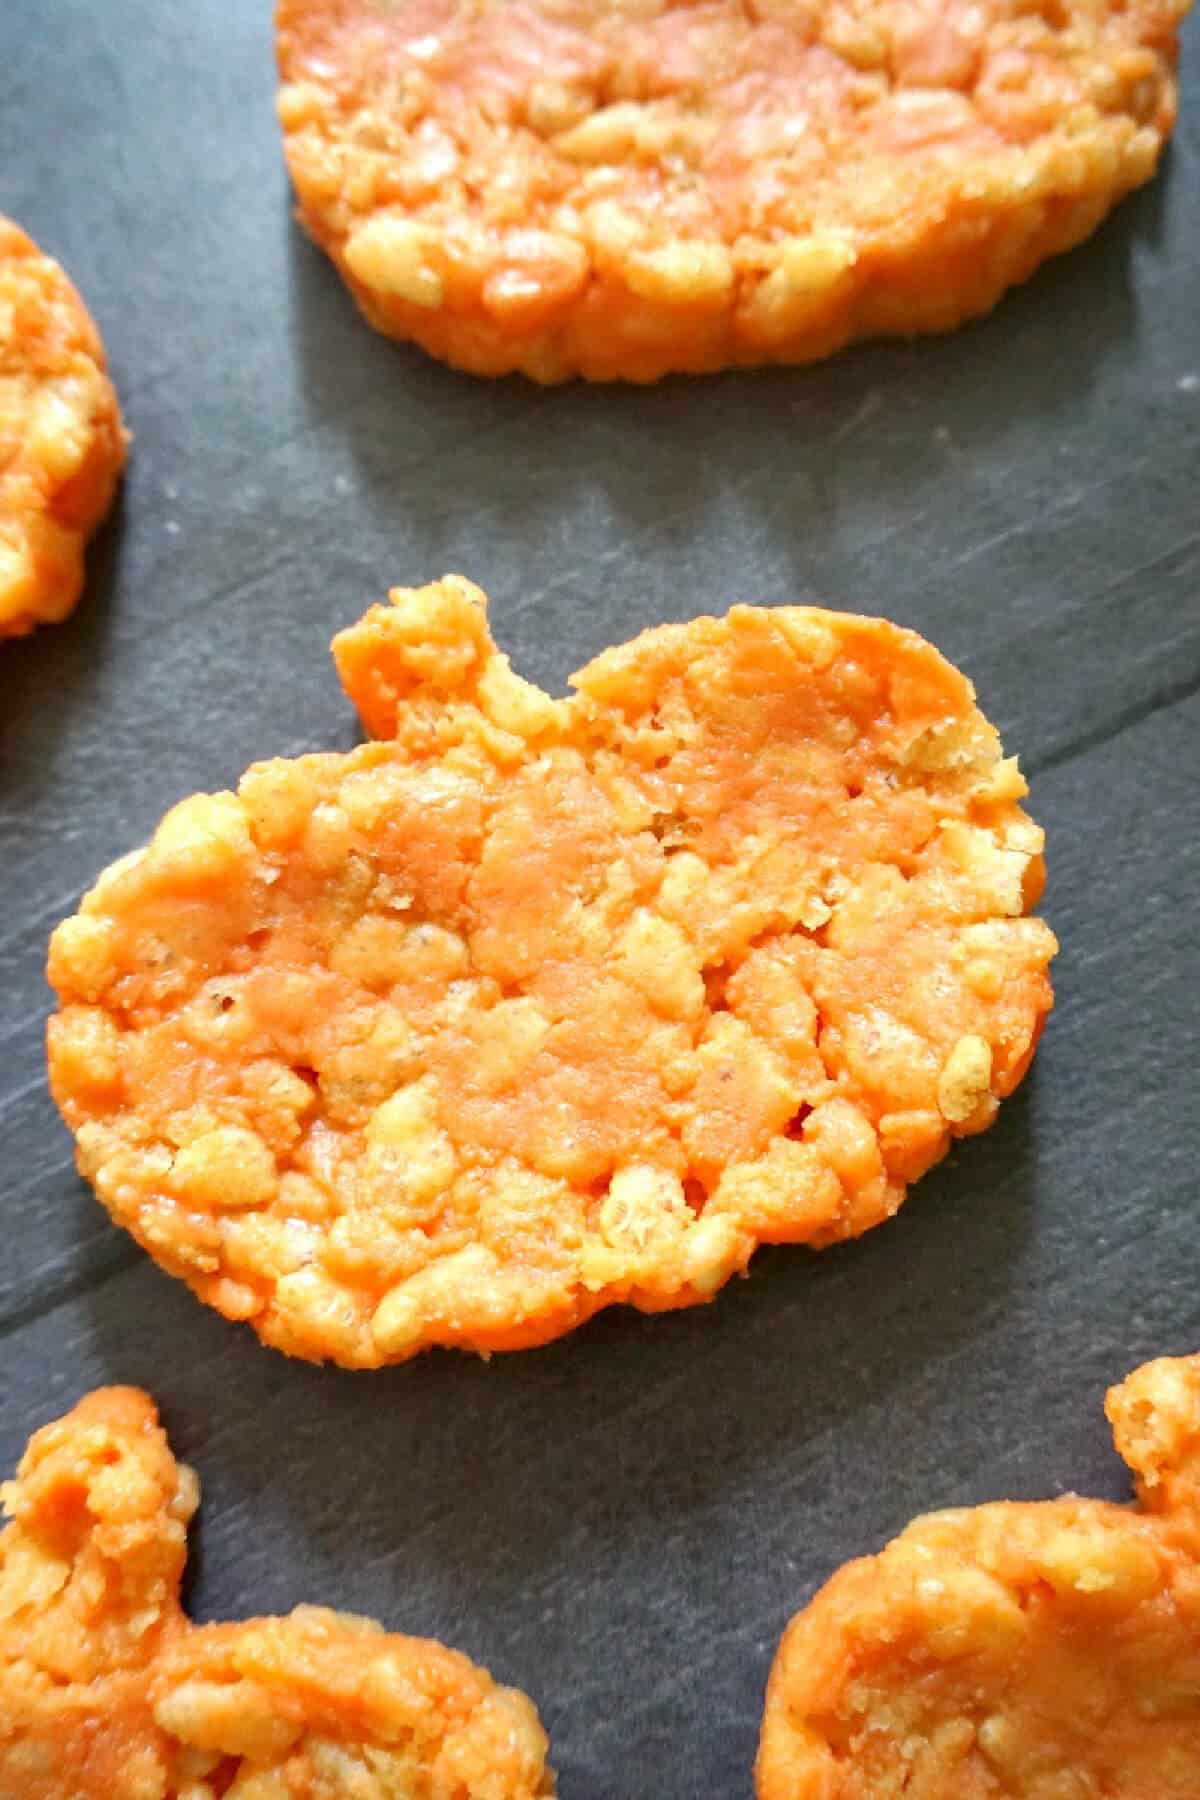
[{"x": 623, "y": 1522}]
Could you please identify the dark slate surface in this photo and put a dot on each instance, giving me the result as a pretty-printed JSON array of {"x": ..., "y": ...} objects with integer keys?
[{"x": 623, "y": 1522}]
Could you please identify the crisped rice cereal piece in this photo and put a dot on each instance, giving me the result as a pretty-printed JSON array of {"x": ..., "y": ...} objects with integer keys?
[
  {"x": 1016, "y": 1651},
  {"x": 537, "y": 1005},
  {"x": 576, "y": 187},
  {"x": 107, "y": 1692},
  {"x": 62, "y": 446}
]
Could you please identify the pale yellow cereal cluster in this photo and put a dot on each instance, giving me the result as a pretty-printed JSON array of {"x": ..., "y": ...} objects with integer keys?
[
  {"x": 108, "y": 1693},
  {"x": 1044, "y": 1651},
  {"x": 533, "y": 1006},
  {"x": 61, "y": 442},
  {"x": 573, "y": 187}
]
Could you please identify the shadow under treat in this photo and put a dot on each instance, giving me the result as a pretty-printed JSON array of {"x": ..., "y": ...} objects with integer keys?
[
  {"x": 464, "y": 460},
  {"x": 49, "y": 675},
  {"x": 502, "y": 1473}
]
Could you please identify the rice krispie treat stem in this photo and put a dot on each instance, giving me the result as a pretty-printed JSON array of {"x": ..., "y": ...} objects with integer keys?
[
  {"x": 108, "y": 1692},
  {"x": 1043, "y": 1651},
  {"x": 537, "y": 1005},
  {"x": 576, "y": 187},
  {"x": 62, "y": 446}
]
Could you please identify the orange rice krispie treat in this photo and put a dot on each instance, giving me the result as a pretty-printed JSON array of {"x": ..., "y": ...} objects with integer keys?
[
  {"x": 107, "y": 1692},
  {"x": 62, "y": 447},
  {"x": 1012, "y": 1652},
  {"x": 536, "y": 1005},
  {"x": 576, "y": 187}
]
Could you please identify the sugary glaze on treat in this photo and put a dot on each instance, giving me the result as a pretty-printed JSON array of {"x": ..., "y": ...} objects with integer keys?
[
  {"x": 107, "y": 1692},
  {"x": 536, "y": 1005},
  {"x": 1045, "y": 1651},
  {"x": 62, "y": 446},
  {"x": 619, "y": 190}
]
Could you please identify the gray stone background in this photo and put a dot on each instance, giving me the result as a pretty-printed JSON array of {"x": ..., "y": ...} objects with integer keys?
[{"x": 623, "y": 1522}]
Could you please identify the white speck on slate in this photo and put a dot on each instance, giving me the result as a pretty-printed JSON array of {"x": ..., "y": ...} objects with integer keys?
[
  {"x": 341, "y": 484},
  {"x": 173, "y": 527},
  {"x": 1188, "y": 384}
]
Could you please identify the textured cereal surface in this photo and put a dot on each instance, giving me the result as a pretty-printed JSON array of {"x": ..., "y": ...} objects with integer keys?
[
  {"x": 62, "y": 447},
  {"x": 1032, "y": 1651},
  {"x": 107, "y": 1692},
  {"x": 536, "y": 1005},
  {"x": 620, "y": 188}
]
